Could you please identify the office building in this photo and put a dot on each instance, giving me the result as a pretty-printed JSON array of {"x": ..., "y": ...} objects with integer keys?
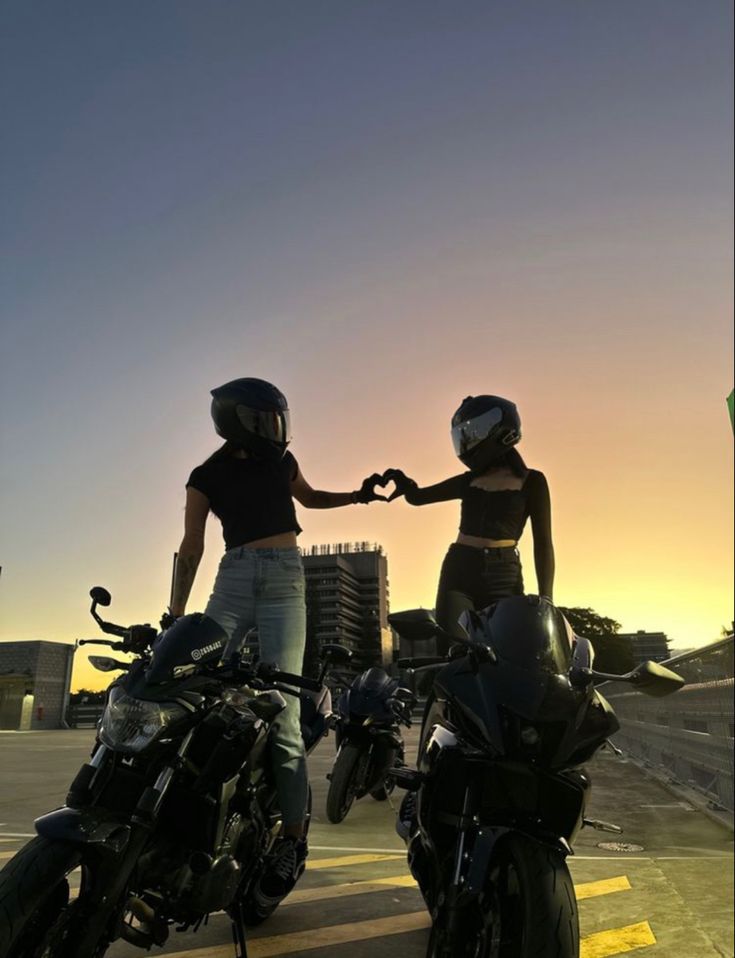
[
  {"x": 34, "y": 684},
  {"x": 647, "y": 645},
  {"x": 347, "y": 601}
]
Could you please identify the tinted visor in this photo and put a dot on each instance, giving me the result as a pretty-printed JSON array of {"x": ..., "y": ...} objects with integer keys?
[
  {"x": 469, "y": 433},
  {"x": 271, "y": 424}
]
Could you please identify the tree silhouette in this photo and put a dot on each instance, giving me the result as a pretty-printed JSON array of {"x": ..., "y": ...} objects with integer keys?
[{"x": 612, "y": 653}]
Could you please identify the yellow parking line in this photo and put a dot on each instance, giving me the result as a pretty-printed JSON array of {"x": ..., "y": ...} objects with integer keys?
[
  {"x": 346, "y": 860},
  {"x": 325, "y": 892},
  {"x": 603, "y": 944},
  {"x": 317, "y": 937},
  {"x": 592, "y": 889},
  {"x": 617, "y": 941}
]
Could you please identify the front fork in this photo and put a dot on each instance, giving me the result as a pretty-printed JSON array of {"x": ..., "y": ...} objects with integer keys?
[
  {"x": 456, "y": 889},
  {"x": 110, "y": 873}
]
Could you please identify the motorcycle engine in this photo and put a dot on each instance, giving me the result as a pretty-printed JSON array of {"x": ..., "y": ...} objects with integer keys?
[{"x": 215, "y": 882}]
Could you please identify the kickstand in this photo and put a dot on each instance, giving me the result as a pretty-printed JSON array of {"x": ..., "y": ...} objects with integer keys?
[{"x": 238, "y": 933}]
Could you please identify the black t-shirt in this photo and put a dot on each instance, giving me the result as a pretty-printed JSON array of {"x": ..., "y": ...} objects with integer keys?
[
  {"x": 496, "y": 514},
  {"x": 251, "y": 497}
]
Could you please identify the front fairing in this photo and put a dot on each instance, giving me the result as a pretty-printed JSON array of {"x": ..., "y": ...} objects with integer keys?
[
  {"x": 476, "y": 692},
  {"x": 356, "y": 705},
  {"x": 571, "y": 723}
]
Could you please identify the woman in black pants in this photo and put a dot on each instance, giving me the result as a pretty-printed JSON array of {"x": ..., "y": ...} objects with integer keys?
[{"x": 498, "y": 494}]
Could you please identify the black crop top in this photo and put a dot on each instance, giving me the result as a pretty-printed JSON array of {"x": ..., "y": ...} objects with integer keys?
[
  {"x": 496, "y": 514},
  {"x": 251, "y": 497}
]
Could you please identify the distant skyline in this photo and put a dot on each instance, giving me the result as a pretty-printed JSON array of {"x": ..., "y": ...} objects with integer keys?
[{"x": 382, "y": 208}]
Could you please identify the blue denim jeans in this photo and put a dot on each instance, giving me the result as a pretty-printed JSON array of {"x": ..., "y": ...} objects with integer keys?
[{"x": 265, "y": 588}]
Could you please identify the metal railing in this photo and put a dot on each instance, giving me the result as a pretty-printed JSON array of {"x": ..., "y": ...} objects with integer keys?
[
  {"x": 84, "y": 716},
  {"x": 687, "y": 736}
]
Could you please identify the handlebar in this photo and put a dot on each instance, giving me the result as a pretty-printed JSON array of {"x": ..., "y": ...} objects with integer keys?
[
  {"x": 269, "y": 672},
  {"x": 422, "y": 662},
  {"x": 118, "y": 646}
]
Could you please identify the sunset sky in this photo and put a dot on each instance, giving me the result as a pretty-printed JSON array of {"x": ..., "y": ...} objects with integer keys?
[{"x": 381, "y": 207}]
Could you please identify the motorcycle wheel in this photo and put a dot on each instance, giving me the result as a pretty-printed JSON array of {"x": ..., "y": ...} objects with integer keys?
[
  {"x": 36, "y": 911},
  {"x": 342, "y": 785},
  {"x": 528, "y": 909}
]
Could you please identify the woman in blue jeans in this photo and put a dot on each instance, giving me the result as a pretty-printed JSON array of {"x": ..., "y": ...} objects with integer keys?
[{"x": 250, "y": 483}]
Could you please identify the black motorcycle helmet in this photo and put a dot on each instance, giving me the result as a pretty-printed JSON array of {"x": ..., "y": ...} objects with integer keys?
[
  {"x": 253, "y": 415},
  {"x": 484, "y": 428}
]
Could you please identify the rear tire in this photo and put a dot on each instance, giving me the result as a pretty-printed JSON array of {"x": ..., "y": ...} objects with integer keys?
[
  {"x": 342, "y": 785},
  {"x": 528, "y": 909},
  {"x": 35, "y": 914}
]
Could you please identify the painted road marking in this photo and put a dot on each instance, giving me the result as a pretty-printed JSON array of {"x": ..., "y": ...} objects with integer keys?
[
  {"x": 350, "y": 848},
  {"x": 5, "y": 835},
  {"x": 325, "y": 892},
  {"x": 341, "y": 862},
  {"x": 584, "y": 891},
  {"x": 617, "y": 941},
  {"x": 593, "y": 889},
  {"x": 346, "y": 860},
  {"x": 317, "y": 937},
  {"x": 603, "y": 944},
  {"x": 4, "y": 856}
]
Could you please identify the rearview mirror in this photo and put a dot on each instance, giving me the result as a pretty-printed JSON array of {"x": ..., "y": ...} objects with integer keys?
[
  {"x": 100, "y": 596},
  {"x": 336, "y": 653},
  {"x": 104, "y": 663},
  {"x": 414, "y": 625},
  {"x": 656, "y": 680}
]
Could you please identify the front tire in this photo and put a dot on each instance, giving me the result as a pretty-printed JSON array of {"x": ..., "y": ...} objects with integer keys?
[
  {"x": 35, "y": 912},
  {"x": 528, "y": 908},
  {"x": 342, "y": 785}
]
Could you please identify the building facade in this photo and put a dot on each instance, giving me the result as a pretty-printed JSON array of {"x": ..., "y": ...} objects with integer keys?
[
  {"x": 347, "y": 602},
  {"x": 653, "y": 646},
  {"x": 34, "y": 684}
]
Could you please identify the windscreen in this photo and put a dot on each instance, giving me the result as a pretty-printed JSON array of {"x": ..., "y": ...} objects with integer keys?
[{"x": 530, "y": 633}]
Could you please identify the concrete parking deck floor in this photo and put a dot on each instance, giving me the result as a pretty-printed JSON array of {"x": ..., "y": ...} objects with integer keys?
[{"x": 672, "y": 899}]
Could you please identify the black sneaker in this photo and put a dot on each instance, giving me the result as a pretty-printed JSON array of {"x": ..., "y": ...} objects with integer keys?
[{"x": 284, "y": 867}]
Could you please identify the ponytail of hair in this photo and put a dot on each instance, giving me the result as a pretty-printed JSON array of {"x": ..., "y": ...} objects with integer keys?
[{"x": 514, "y": 461}]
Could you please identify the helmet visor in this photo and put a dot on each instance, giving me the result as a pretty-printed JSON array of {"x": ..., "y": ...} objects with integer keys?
[
  {"x": 470, "y": 432},
  {"x": 271, "y": 424}
]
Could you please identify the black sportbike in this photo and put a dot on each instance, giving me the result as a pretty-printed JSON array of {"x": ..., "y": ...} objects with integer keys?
[
  {"x": 173, "y": 817},
  {"x": 367, "y": 722},
  {"x": 499, "y": 794}
]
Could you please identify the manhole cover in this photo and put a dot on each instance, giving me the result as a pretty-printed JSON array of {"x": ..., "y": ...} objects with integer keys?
[{"x": 620, "y": 847}]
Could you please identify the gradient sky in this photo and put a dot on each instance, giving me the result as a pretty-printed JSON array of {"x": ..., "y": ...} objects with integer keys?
[{"x": 382, "y": 207}]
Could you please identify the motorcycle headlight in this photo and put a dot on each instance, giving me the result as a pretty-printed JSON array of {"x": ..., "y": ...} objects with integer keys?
[{"x": 129, "y": 725}]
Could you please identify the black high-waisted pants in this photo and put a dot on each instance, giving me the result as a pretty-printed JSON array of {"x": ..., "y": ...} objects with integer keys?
[{"x": 473, "y": 579}]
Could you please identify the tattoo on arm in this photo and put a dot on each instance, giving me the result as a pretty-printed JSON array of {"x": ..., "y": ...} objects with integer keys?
[{"x": 186, "y": 570}]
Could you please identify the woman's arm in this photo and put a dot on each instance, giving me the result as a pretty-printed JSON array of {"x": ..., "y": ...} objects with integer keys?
[
  {"x": 190, "y": 550},
  {"x": 539, "y": 510},
  {"x": 452, "y": 488},
  {"x": 320, "y": 499}
]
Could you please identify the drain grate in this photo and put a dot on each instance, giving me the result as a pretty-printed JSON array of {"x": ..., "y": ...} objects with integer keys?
[{"x": 620, "y": 847}]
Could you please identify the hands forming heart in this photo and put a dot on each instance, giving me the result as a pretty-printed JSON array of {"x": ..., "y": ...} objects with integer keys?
[
  {"x": 400, "y": 480},
  {"x": 367, "y": 493}
]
